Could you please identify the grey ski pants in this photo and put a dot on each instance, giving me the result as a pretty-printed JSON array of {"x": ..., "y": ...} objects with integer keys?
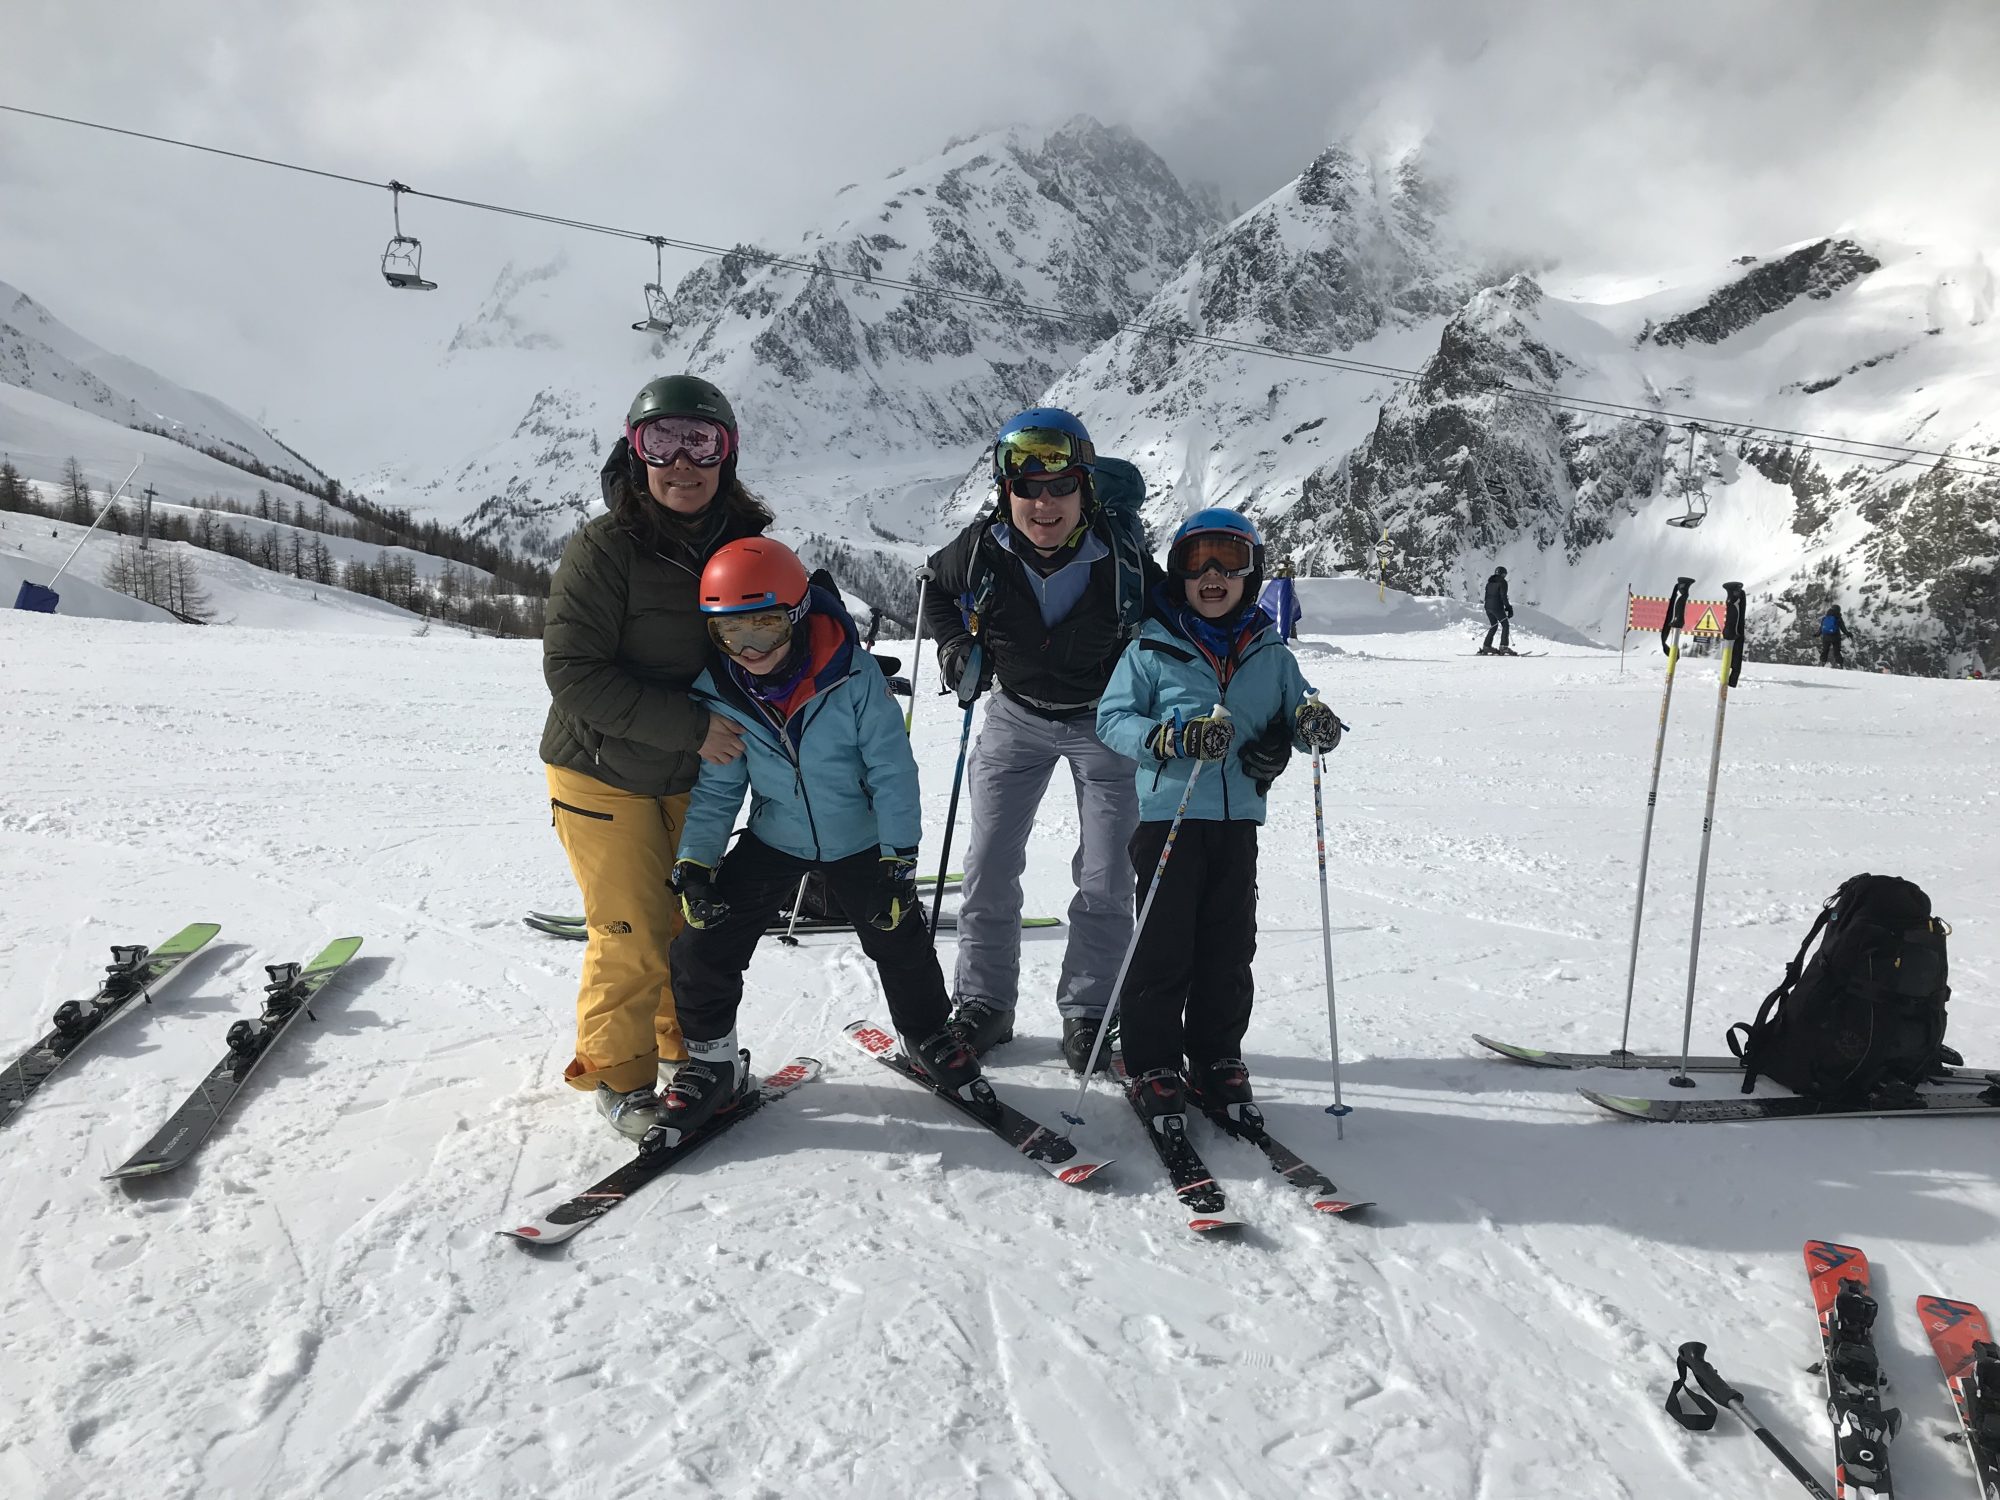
[{"x": 1007, "y": 775}]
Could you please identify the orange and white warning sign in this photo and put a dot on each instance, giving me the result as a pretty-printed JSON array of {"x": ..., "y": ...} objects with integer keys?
[{"x": 1649, "y": 612}]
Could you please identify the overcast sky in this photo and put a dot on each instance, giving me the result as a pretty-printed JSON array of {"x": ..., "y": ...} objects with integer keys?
[{"x": 1607, "y": 136}]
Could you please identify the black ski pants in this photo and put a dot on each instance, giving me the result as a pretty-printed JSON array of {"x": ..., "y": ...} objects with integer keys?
[
  {"x": 1500, "y": 623},
  {"x": 1829, "y": 651},
  {"x": 757, "y": 882},
  {"x": 1189, "y": 990}
]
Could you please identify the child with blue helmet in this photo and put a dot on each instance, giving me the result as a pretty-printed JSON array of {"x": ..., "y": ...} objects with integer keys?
[{"x": 1185, "y": 1005}]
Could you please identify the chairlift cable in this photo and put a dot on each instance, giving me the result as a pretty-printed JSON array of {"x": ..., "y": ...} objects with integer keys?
[{"x": 1889, "y": 454}]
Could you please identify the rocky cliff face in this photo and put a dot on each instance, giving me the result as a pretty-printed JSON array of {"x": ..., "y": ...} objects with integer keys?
[{"x": 1352, "y": 257}]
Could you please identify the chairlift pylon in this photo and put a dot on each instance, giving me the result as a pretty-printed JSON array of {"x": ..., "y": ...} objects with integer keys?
[
  {"x": 1692, "y": 489},
  {"x": 657, "y": 306},
  {"x": 403, "y": 258}
]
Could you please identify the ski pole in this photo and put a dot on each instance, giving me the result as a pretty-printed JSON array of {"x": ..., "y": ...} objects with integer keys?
[
  {"x": 1337, "y": 1109},
  {"x": 968, "y": 693},
  {"x": 1075, "y": 1116},
  {"x": 787, "y": 937},
  {"x": 1696, "y": 1412},
  {"x": 916, "y": 649},
  {"x": 1732, "y": 668},
  {"x": 1676, "y": 615}
]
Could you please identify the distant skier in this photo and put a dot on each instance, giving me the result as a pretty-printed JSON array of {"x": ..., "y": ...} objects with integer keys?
[
  {"x": 1832, "y": 631},
  {"x": 1043, "y": 591},
  {"x": 833, "y": 789},
  {"x": 1187, "y": 997},
  {"x": 1498, "y": 613},
  {"x": 623, "y": 646}
]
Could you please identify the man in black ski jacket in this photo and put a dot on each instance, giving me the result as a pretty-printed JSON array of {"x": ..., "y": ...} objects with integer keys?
[
  {"x": 1498, "y": 613},
  {"x": 1042, "y": 593}
]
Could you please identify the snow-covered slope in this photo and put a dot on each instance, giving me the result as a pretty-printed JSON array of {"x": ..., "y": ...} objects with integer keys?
[
  {"x": 823, "y": 373},
  {"x": 238, "y": 592},
  {"x": 856, "y": 1295},
  {"x": 40, "y": 353}
]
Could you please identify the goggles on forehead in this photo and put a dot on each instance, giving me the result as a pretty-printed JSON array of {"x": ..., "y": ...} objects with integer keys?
[
  {"x": 1034, "y": 489},
  {"x": 1039, "y": 450},
  {"x": 702, "y": 442},
  {"x": 758, "y": 630},
  {"x": 1224, "y": 551}
]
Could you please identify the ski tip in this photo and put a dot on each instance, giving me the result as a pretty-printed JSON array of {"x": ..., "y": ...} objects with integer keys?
[
  {"x": 133, "y": 1169},
  {"x": 1215, "y": 1228},
  {"x": 1621, "y": 1104},
  {"x": 1340, "y": 1205},
  {"x": 524, "y": 1232},
  {"x": 1079, "y": 1171}
]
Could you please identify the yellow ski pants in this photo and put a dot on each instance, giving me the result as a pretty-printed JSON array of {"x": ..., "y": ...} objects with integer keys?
[{"x": 621, "y": 849}]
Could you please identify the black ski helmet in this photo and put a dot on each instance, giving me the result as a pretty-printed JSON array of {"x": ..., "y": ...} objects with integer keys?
[{"x": 680, "y": 396}]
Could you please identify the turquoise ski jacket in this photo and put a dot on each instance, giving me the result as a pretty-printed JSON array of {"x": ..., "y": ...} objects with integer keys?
[
  {"x": 1163, "y": 673},
  {"x": 834, "y": 779}
]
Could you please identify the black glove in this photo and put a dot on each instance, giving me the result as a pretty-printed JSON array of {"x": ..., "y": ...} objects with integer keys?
[
  {"x": 694, "y": 882},
  {"x": 952, "y": 657},
  {"x": 1318, "y": 727},
  {"x": 895, "y": 893},
  {"x": 1265, "y": 758},
  {"x": 1199, "y": 738},
  {"x": 1510, "y": 611}
]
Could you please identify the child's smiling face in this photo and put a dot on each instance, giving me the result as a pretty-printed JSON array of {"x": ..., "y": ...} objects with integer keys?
[{"x": 1212, "y": 596}]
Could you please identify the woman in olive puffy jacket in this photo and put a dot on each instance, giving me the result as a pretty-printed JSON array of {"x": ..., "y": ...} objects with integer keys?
[{"x": 624, "y": 643}]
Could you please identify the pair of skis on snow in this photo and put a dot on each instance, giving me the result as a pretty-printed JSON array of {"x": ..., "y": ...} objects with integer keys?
[
  {"x": 1844, "y": 1300},
  {"x": 1053, "y": 1152},
  {"x": 1924, "y": 1101},
  {"x": 129, "y": 980}
]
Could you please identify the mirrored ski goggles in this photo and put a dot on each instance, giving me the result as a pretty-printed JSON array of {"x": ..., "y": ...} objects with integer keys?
[
  {"x": 1034, "y": 489},
  {"x": 1224, "y": 551},
  {"x": 758, "y": 630},
  {"x": 1039, "y": 450},
  {"x": 701, "y": 442}
]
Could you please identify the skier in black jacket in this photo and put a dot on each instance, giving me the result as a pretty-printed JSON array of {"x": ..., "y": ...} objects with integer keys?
[
  {"x": 1498, "y": 613},
  {"x": 1040, "y": 572}
]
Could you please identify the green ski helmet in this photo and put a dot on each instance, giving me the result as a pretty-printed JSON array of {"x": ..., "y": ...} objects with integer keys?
[{"x": 680, "y": 396}]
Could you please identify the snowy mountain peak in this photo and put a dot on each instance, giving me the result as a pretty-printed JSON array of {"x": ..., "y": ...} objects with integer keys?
[
  {"x": 516, "y": 313},
  {"x": 1356, "y": 251}
]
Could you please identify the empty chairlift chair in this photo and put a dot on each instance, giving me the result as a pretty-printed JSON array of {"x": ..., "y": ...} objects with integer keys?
[
  {"x": 1693, "y": 491},
  {"x": 403, "y": 258},
  {"x": 656, "y": 320}
]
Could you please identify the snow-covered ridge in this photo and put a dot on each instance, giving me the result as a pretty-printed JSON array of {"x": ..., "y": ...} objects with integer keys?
[{"x": 40, "y": 353}]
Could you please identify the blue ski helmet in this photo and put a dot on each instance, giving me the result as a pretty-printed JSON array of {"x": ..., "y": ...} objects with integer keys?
[
  {"x": 1041, "y": 440},
  {"x": 1219, "y": 519}
]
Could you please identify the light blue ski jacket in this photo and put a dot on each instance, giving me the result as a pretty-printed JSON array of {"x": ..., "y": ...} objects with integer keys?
[
  {"x": 837, "y": 778},
  {"x": 1163, "y": 673}
]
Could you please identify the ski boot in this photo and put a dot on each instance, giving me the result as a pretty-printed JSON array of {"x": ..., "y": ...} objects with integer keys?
[
  {"x": 632, "y": 1113},
  {"x": 1158, "y": 1097},
  {"x": 712, "y": 1081},
  {"x": 1222, "y": 1092},
  {"x": 950, "y": 1061},
  {"x": 1080, "y": 1035},
  {"x": 982, "y": 1025}
]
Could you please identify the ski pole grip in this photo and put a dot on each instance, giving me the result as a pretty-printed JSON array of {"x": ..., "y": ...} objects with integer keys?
[
  {"x": 1676, "y": 615},
  {"x": 1694, "y": 1361}
]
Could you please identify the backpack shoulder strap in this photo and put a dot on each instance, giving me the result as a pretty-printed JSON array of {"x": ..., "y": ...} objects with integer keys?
[{"x": 1749, "y": 1045}]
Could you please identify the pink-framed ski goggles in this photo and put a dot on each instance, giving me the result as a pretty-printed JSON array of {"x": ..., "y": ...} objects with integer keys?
[{"x": 701, "y": 442}]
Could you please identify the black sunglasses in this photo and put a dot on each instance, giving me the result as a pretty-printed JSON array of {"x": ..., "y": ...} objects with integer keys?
[{"x": 1034, "y": 489}]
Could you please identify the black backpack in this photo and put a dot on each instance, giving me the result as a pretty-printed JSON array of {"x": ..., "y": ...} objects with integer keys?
[{"x": 1867, "y": 1012}]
